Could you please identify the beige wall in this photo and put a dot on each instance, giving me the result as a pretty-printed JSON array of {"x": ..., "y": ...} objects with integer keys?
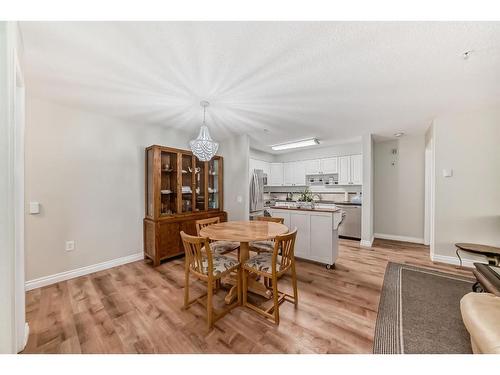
[
  {"x": 87, "y": 172},
  {"x": 467, "y": 205},
  {"x": 400, "y": 188},
  {"x": 236, "y": 152}
]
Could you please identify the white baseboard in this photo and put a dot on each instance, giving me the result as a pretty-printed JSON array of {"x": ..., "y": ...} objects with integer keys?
[
  {"x": 399, "y": 238},
  {"x": 454, "y": 260},
  {"x": 66, "y": 275},
  {"x": 366, "y": 243}
]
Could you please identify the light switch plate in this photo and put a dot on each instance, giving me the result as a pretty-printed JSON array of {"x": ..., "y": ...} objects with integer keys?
[
  {"x": 34, "y": 208},
  {"x": 447, "y": 172},
  {"x": 70, "y": 245}
]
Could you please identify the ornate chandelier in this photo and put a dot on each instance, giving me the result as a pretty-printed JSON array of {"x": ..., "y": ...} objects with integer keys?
[{"x": 204, "y": 147}]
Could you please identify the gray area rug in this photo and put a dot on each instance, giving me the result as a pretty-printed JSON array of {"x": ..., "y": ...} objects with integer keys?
[{"x": 419, "y": 312}]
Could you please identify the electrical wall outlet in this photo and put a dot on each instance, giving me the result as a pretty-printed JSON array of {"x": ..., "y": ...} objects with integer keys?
[{"x": 70, "y": 245}]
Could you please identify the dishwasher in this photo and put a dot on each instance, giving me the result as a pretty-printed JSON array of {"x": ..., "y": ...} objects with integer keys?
[{"x": 351, "y": 226}]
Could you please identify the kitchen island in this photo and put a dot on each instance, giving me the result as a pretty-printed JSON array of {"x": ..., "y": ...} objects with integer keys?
[{"x": 317, "y": 232}]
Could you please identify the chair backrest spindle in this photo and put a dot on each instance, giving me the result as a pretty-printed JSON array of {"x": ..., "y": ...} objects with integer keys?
[
  {"x": 285, "y": 243},
  {"x": 196, "y": 250}
]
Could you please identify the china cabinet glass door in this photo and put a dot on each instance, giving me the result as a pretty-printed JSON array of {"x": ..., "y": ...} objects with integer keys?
[
  {"x": 213, "y": 184},
  {"x": 187, "y": 179},
  {"x": 168, "y": 183},
  {"x": 200, "y": 193}
]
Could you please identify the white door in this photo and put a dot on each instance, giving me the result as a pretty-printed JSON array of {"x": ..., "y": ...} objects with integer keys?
[
  {"x": 329, "y": 165},
  {"x": 312, "y": 166},
  {"x": 357, "y": 169},
  {"x": 276, "y": 175},
  {"x": 288, "y": 173},
  {"x": 344, "y": 170},
  {"x": 299, "y": 173},
  {"x": 321, "y": 244},
  {"x": 301, "y": 221}
]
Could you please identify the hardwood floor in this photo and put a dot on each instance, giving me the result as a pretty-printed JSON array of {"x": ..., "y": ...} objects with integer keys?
[{"x": 135, "y": 308}]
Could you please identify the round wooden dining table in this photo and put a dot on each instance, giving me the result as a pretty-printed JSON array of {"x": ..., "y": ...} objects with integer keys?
[{"x": 244, "y": 232}]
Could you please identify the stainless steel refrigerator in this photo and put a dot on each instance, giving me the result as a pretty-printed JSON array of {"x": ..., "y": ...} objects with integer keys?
[{"x": 257, "y": 193}]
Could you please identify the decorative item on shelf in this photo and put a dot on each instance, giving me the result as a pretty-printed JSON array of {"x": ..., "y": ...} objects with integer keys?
[
  {"x": 166, "y": 191},
  {"x": 211, "y": 190},
  {"x": 184, "y": 171},
  {"x": 197, "y": 190},
  {"x": 186, "y": 190},
  {"x": 204, "y": 147}
]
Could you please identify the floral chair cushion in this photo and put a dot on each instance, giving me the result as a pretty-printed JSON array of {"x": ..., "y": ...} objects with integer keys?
[
  {"x": 221, "y": 264},
  {"x": 262, "y": 245},
  {"x": 221, "y": 247},
  {"x": 263, "y": 262}
]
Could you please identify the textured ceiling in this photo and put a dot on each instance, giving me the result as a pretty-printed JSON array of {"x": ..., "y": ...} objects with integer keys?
[{"x": 276, "y": 81}]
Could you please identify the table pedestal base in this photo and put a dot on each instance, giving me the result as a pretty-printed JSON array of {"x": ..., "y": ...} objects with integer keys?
[{"x": 254, "y": 285}]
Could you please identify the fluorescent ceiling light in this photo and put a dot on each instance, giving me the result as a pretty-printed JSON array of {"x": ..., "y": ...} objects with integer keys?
[{"x": 296, "y": 144}]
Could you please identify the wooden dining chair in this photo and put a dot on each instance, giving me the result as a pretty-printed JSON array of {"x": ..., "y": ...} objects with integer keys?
[
  {"x": 260, "y": 246},
  {"x": 218, "y": 247},
  {"x": 272, "y": 266},
  {"x": 202, "y": 263}
]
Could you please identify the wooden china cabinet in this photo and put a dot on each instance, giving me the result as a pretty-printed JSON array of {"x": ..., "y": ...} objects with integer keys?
[{"x": 180, "y": 189}]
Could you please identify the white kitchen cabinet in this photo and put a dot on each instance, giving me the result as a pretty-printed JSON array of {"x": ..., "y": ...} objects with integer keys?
[
  {"x": 288, "y": 174},
  {"x": 275, "y": 177},
  {"x": 356, "y": 169},
  {"x": 294, "y": 173},
  {"x": 328, "y": 166},
  {"x": 350, "y": 170},
  {"x": 344, "y": 170},
  {"x": 299, "y": 173},
  {"x": 323, "y": 238},
  {"x": 301, "y": 221},
  {"x": 313, "y": 166},
  {"x": 317, "y": 233}
]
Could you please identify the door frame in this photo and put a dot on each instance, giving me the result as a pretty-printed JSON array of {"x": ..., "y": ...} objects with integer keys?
[
  {"x": 429, "y": 196},
  {"x": 19, "y": 100}
]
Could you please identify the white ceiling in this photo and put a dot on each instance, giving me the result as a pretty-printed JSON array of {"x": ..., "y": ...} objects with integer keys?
[{"x": 331, "y": 80}]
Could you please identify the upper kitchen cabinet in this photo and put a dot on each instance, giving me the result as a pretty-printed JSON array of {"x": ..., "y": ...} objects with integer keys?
[
  {"x": 350, "y": 169},
  {"x": 294, "y": 173},
  {"x": 328, "y": 165},
  {"x": 299, "y": 173},
  {"x": 276, "y": 174},
  {"x": 321, "y": 166},
  {"x": 288, "y": 174},
  {"x": 312, "y": 166},
  {"x": 357, "y": 169}
]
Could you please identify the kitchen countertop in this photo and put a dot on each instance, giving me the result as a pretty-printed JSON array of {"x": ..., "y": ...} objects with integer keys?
[
  {"x": 326, "y": 202},
  {"x": 331, "y": 210}
]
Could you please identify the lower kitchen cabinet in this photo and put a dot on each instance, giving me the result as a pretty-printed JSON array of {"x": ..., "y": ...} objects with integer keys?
[{"x": 317, "y": 235}]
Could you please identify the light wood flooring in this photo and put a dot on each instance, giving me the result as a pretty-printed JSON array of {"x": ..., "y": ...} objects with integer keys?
[{"x": 136, "y": 308}]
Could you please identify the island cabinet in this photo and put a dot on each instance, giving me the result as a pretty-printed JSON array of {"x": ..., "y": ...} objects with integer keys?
[
  {"x": 317, "y": 232},
  {"x": 180, "y": 189}
]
